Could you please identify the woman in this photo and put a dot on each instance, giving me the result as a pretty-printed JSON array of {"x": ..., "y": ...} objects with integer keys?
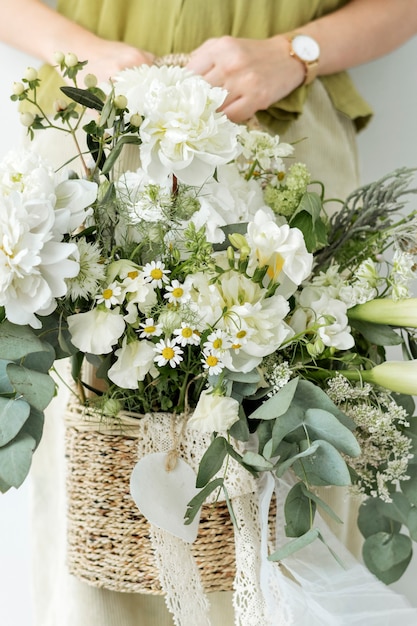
[{"x": 247, "y": 48}]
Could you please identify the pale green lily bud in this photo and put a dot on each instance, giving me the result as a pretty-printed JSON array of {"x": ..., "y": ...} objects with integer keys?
[
  {"x": 402, "y": 313},
  {"x": 398, "y": 376},
  {"x": 238, "y": 241}
]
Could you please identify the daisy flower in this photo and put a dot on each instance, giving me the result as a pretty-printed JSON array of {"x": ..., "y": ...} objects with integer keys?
[
  {"x": 176, "y": 292},
  {"x": 212, "y": 362},
  {"x": 156, "y": 273},
  {"x": 186, "y": 335},
  {"x": 168, "y": 352},
  {"x": 150, "y": 328},
  {"x": 110, "y": 296},
  {"x": 218, "y": 341}
]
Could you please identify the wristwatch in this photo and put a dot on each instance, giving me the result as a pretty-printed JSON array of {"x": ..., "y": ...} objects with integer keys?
[{"x": 307, "y": 50}]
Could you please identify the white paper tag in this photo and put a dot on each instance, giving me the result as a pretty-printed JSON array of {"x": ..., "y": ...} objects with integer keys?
[{"x": 162, "y": 496}]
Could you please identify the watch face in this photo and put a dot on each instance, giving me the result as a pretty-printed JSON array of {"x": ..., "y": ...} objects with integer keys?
[{"x": 306, "y": 48}]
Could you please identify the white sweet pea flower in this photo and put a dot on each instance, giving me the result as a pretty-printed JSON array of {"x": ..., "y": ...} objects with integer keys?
[
  {"x": 33, "y": 264},
  {"x": 182, "y": 132},
  {"x": 73, "y": 199},
  {"x": 134, "y": 361},
  {"x": 282, "y": 248},
  {"x": 214, "y": 413},
  {"x": 96, "y": 331}
]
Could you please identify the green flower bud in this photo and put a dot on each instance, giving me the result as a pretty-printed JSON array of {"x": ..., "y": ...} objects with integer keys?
[
  {"x": 71, "y": 59},
  {"x": 120, "y": 101},
  {"x": 27, "y": 119},
  {"x": 400, "y": 313},
  {"x": 398, "y": 376},
  {"x": 18, "y": 89},
  {"x": 90, "y": 80},
  {"x": 59, "y": 57},
  {"x": 30, "y": 74},
  {"x": 136, "y": 120}
]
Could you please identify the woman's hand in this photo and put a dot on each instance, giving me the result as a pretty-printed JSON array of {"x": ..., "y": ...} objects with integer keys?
[{"x": 256, "y": 73}]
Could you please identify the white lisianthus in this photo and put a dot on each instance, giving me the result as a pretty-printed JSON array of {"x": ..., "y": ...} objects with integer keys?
[
  {"x": 134, "y": 361},
  {"x": 282, "y": 248},
  {"x": 182, "y": 132},
  {"x": 33, "y": 264},
  {"x": 327, "y": 315},
  {"x": 214, "y": 413},
  {"x": 96, "y": 331}
]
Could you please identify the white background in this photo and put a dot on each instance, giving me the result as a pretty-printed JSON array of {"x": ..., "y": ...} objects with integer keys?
[{"x": 390, "y": 85}]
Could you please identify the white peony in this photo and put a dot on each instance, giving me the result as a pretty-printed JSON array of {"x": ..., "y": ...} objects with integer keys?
[
  {"x": 33, "y": 262},
  {"x": 96, "y": 331},
  {"x": 214, "y": 413},
  {"x": 29, "y": 174},
  {"x": 134, "y": 361},
  {"x": 182, "y": 132}
]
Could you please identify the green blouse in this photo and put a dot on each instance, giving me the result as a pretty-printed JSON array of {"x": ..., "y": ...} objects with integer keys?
[{"x": 173, "y": 26}]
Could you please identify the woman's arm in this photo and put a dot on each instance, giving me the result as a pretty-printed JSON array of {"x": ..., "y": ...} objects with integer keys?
[
  {"x": 35, "y": 28},
  {"x": 257, "y": 73}
]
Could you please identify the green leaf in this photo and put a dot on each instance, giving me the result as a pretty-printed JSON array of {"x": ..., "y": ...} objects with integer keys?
[
  {"x": 278, "y": 404},
  {"x": 308, "y": 450},
  {"x": 398, "y": 509},
  {"x": 40, "y": 361},
  {"x": 307, "y": 219},
  {"x": 387, "y": 555},
  {"x": 5, "y": 386},
  {"x": 295, "y": 545},
  {"x": 285, "y": 424},
  {"x": 379, "y": 334},
  {"x": 326, "y": 426},
  {"x": 83, "y": 97},
  {"x": 34, "y": 425},
  {"x": 13, "y": 414},
  {"x": 412, "y": 523},
  {"x": 311, "y": 396},
  {"x": 115, "y": 153},
  {"x": 36, "y": 388},
  {"x": 371, "y": 518},
  {"x": 18, "y": 341},
  {"x": 15, "y": 461},
  {"x": 257, "y": 461},
  {"x": 241, "y": 377},
  {"x": 197, "y": 502},
  {"x": 211, "y": 461},
  {"x": 320, "y": 503},
  {"x": 409, "y": 487},
  {"x": 299, "y": 511},
  {"x": 325, "y": 467}
]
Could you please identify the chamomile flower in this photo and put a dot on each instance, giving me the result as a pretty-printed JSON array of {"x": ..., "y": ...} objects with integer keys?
[
  {"x": 218, "y": 341},
  {"x": 168, "y": 352},
  {"x": 110, "y": 295},
  {"x": 156, "y": 273},
  {"x": 150, "y": 328},
  {"x": 212, "y": 362},
  {"x": 186, "y": 335},
  {"x": 177, "y": 292}
]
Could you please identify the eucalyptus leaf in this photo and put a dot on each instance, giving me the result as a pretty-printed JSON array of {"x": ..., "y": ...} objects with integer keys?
[
  {"x": 34, "y": 425},
  {"x": 278, "y": 404},
  {"x": 116, "y": 151},
  {"x": 212, "y": 461},
  {"x": 309, "y": 396},
  {"x": 15, "y": 460},
  {"x": 244, "y": 377},
  {"x": 283, "y": 466},
  {"x": 291, "y": 421},
  {"x": 412, "y": 523},
  {"x": 371, "y": 518},
  {"x": 13, "y": 414},
  {"x": 320, "y": 503},
  {"x": 257, "y": 461},
  {"x": 398, "y": 509},
  {"x": 409, "y": 487},
  {"x": 40, "y": 361},
  {"x": 240, "y": 430},
  {"x": 326, "y": 426},
  {"x": 197, "y": 502},
  {"x": 295, "y": 545},
  {"x": 36, "y": 388},
  {"x": 5, "y": 386},
  {"x": 299, "y": 511},
  {"x": 17, "y": 341},
  {"x": 324, "y": 467},
  {"x": 387, "y": 555}
]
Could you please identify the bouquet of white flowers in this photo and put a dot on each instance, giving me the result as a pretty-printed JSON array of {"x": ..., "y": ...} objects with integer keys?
[{"x": 210, "y": 282}]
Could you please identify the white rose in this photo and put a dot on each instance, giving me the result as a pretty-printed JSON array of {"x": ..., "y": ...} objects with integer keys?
[{"x": 214, "y": 413}]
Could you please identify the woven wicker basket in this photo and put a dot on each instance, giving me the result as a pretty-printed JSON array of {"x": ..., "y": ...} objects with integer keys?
[{"x": 108, "y": 538}]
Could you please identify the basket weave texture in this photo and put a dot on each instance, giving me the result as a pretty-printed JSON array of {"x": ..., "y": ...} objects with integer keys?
[{"x": 108, "y": 538}]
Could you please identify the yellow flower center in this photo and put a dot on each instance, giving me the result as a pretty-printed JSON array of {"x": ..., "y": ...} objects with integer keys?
[
  {"x": 217, "y": 343},
  {"x": 241, "y": 334},
  {"x": 168, "y": 353},
  {"x": 133, "y": 274},
  {"x": 187, "y": 332},
  {"x": 150, "y": 329},
  {"x": 212, "y": 360},
  {"x": 107, "y": 294},
  {"x": 281, "y": 176},
  {"x": 156, "y": 273},
  {"x": 236, "y": 346},
  {"x": 177, "y": 292},
  {"x": 275, "y": 266}
]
